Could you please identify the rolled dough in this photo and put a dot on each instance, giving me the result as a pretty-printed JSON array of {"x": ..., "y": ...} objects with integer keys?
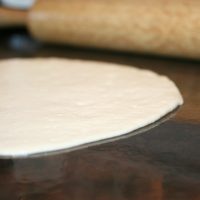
[{"x": 53, "y": 104}]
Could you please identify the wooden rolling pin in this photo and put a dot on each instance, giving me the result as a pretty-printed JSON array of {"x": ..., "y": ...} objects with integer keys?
[
  {"x": 12, "y": 17},
  {"x": 164, "y": 27}
]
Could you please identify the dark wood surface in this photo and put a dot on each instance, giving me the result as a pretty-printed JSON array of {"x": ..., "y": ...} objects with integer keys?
[{"x": 160, "y": 164}]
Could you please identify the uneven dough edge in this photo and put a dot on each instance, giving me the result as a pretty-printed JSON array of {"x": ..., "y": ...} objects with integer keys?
[{"x": 177, "y": 101}]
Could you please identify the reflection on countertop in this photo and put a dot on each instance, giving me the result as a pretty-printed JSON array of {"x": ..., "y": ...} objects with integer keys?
[{"x": 161, "y": 164}]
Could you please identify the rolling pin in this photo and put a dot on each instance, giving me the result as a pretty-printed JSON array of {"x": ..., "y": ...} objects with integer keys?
[
  {"x": 9, "y": 18},
  {"x": 162, "y": 27}
]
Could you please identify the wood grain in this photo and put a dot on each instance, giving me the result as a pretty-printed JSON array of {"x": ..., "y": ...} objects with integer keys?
[
  {"x": 147, "y": 166},
  {"x": 160, "y": 164},
  {"x": 156, "y": 27}
]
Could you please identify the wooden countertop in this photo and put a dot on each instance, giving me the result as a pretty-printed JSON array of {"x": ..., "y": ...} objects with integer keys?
[{"x": 160, "y": 164}]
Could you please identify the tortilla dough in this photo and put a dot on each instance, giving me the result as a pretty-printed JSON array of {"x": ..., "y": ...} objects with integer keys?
[{"x": 52, "y": 104}]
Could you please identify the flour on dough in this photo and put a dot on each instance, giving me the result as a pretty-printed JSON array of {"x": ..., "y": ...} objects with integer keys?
[{"x": 52, "y": 104}]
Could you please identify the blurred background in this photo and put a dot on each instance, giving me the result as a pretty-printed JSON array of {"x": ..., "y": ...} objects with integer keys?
[
  {"x": 156, "y": 27},
  {"x": 160, "y": 35}
]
